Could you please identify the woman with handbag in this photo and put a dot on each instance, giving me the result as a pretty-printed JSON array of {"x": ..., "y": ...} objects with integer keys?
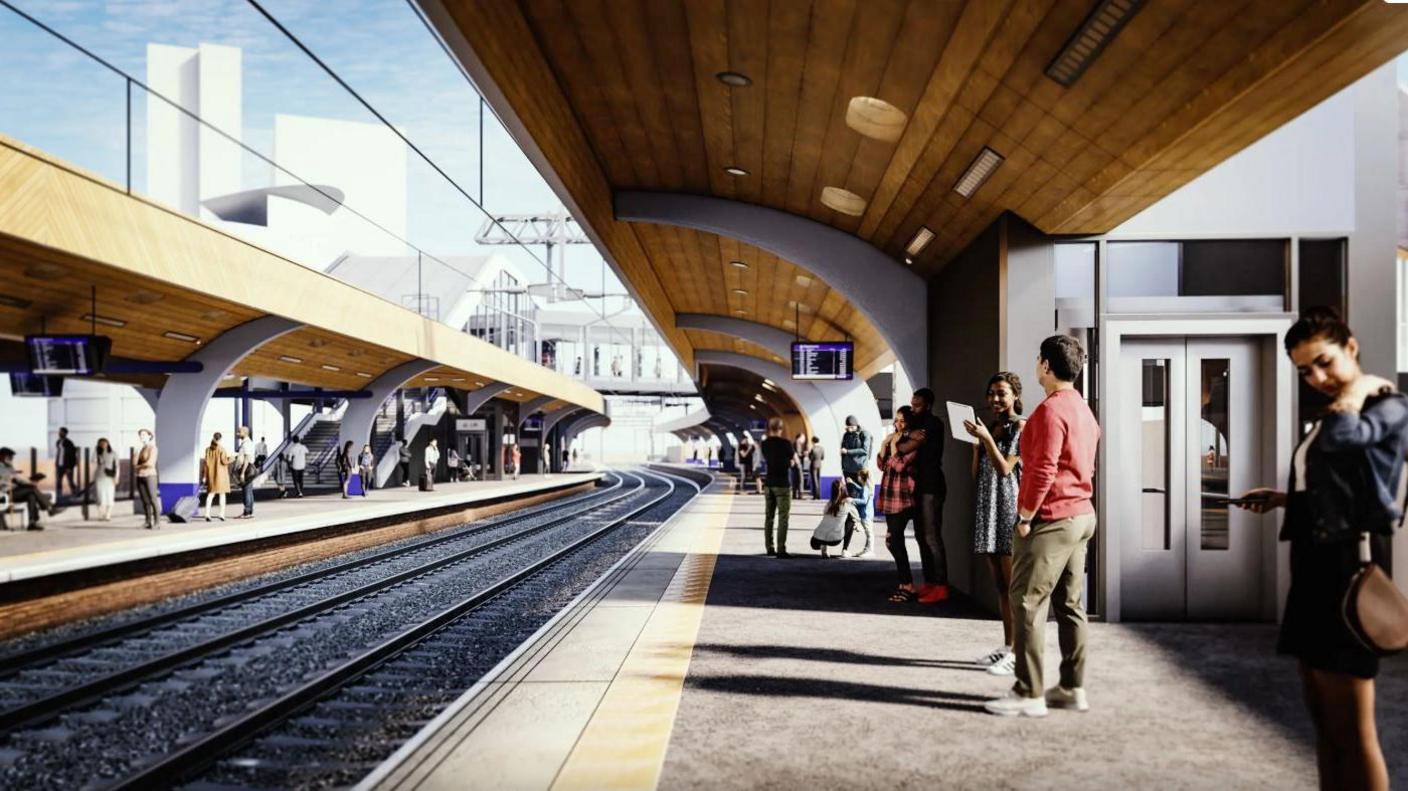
[
  {"x": 1343, "y": 496},
  {"x": 106, "y": 483}
]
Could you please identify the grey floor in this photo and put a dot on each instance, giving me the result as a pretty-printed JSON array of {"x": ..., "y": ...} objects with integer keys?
[{"x": 804, "y": 677}]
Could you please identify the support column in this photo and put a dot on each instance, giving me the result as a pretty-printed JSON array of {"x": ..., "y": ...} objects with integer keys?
[
  {"x": 360, "y": 416},
  {"x": 180, "y": 408},
  {"x": 550, "y": 420}
]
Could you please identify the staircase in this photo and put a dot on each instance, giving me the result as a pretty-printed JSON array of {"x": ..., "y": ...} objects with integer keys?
[
  {"x": 321, "y": 440},
  {"x": 383, "y": 434}
]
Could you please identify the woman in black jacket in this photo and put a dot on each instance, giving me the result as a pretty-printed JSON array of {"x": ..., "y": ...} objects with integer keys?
[
  {"x": 345, "y": 464},
  {"x": 1343, "y": 483}
]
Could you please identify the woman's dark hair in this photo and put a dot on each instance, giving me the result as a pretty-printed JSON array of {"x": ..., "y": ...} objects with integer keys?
[
  {"x": 838, "y": 493},
  {"x": 1318, "y": 322},
  {"x": 906, "y": 412},
  {"x": 215, "y": 440},
  {"x": 1013, "y": 381},
  {"x": 1065, "y": 356},
  {"x": 98, "y": 446}
]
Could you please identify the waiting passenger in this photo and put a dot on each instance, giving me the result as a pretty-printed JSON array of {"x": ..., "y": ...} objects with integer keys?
[
  {"x": 815, "y": 455},
  {"x": 215, "y": 475},
  {"x": 366, "y": 463},
  {"x": 863, "y": 497},
  {"x": 146, "y": 479},
  {"x": 1341, "y": 510},
  {"x": 244, "y": 470},
  {"x": 840, "y": 511},
  {"x": 997, "y": 468},
  {"x": 432, "y": 460},
  {"x": 781, "y": 458},
  {"x": 344, "y": 468},
  {"x": 105, "y": 481},
  {"x": 23, "y": 490},
  {"x": 517, "y": 457},
  {"x": 403, "y": 458},
  {"x": 746, "y": 457},
  {"x": 855, "y": 448},
  {"x": 65, "y": 466},
  {"x": 297, "y": 455},
  {"x": 794, "y": 473},
  {"x": 897, "y": 501},
  {"x": 261, "y": 453},
  {"x": 452, "y": 461},
  {"x": 1054, "y": 525},
  {"x": 926, "y": 437}
]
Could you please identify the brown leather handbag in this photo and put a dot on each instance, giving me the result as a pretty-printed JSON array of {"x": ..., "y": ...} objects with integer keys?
[{"x": 1375, "y": 611}]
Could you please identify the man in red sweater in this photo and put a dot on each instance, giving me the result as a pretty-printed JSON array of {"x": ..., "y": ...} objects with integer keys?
[{"x": 1055, "y": 523}]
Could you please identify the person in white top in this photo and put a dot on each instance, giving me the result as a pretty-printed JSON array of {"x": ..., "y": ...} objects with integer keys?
[
  {"x": 432, "y": 459},
  {"x": 297, "y": 454},
  {"x": 243, "y": 470},
  {"x": 832, "y": 528},
  {"x": 261, "y": 452},
  {"x": 105, "y": 484}
]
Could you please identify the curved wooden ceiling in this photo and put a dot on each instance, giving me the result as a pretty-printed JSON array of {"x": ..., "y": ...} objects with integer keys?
[{"x": 621, "y": 94}]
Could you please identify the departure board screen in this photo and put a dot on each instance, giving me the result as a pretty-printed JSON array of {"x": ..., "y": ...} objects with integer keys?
[
  {"x": 34, "y": 386},
  {"x": 822, "y": 360},
  {"x": 66, "y": 355}
]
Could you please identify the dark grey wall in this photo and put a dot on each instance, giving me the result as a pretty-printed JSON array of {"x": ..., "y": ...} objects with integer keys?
[{"x": 964, "y": 332}]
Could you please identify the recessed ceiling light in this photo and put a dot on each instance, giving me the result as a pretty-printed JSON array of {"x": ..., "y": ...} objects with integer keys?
[
  {"x": 289, "y": 359},
  {"x": 788, "y": 323},
  {"x": 14, "y": 302},
  {"x": 909, "y": 260},
  {"x": 758, "y": 397},
  {"x": 45, "y": 271},
  {"x": 733, "y": 79},
  {"x": 364, "y": 374},
  {"x": 843, "y": 201},
  {"x": 922, "y": 237},
  {"x": 180, "y": 336},
  {"x": 432, "y": 378},
  {"x": 458, "y": 379},
  {"x": 327, "y": 367},
  {"x": 318, "y": 343},
  {"x": 144, "y": 297},
  {"x": 737, "y": 264},
  {"x": 106, "y": 320},
  {"x": 793, "y": 304},
  {"x": 983, "y": 166},
  {"x": 803, "y": 281},
  {"x": 215, "y": 315},
  {"x": 742, "y": 292},
  {"x": 734, "y": 170},
  {"x": 876, "y": 118},
  {"x": 740, "y": 313},
  {"x": 1090, "y": 39}
]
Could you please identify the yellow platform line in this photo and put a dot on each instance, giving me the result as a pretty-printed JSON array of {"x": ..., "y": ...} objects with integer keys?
[{"x": 623, "y": 745}]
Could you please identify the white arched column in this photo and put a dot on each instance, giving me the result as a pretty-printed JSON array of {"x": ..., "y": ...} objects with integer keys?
[
  {"x": 851, "y": 397},
  {"x": 180, "y": 408},
  {"x": 360, "y": 416},
  {"x": 889, "y": 294},
  {"x": 531, "y": 408},
  {"x": 825, "y": 425},
  {"x": 475, "y": 399}
]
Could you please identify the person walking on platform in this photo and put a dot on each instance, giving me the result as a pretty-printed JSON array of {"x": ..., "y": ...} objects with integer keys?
[
  {"x": 344, "y": 468},
  {"x": 403, "y": 459},
  {"x": 926, "y": 438},
  {"x": 23, "y": 490},
  {"x": 297, "y": 463},
  {"x": 146, "y": 478},
  {"x": 897, "y": 501},
  {"x": 516, "y": 456},
  {"x": 855, "y": 448},
  {"x": 1055, "y": 522},
  {"x": 781, "y": 458},
  {"x": 746, "y": 453},
  {"x": 1342, "y": 506},
  {"x": 215, "y": 474},
  {"x": 105, "y": 480},
  {"x": 366, "y": 463},
  {"x": 815, "y": 455},
  {"x": 997, "y": 468},
  {"x": 244, "y": 469},
  {"x": 863, "y": 497},
  {"x": 65, "y": 466},
  {"x": 432, "y": 460},
  {"x": 261, "y": 453},
  {"x": 794, "y": 473}
]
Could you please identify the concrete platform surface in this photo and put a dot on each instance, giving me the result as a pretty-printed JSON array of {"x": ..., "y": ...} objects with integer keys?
[{"x": 68, "y": 544}]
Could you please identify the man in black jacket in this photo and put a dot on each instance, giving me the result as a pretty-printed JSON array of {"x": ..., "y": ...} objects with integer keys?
[{"x": 65, "y": 465}]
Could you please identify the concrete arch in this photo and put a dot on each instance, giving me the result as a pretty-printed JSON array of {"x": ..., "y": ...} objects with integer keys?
[
  {"x": 475, "y": 399},
  {"x": 531, "y": 408},
  {"x": 823, "y": 423},
  {"x": 357, "y": 422},
  {"x": 845, "y": 397},
  {"x": 593, "y": 420},
  {"x": 180, "y": 408},
  {"x": 891, "y": 296}
]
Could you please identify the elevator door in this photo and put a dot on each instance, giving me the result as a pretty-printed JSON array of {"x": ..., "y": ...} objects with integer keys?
[{"x": 1192, "y": 438}]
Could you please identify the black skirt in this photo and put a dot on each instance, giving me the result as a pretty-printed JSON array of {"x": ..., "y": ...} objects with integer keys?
[{"x": 1313, "y": 628}]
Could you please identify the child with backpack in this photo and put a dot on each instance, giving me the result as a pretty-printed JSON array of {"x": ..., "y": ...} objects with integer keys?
[
  {"x": 863, "y": 497},
  {"x": 832, "y": 528}
]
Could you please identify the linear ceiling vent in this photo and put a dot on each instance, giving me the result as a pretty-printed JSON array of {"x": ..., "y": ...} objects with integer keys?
[
  {"x": 1091, "y": 38},
  {"x": 983, "y": 165}
]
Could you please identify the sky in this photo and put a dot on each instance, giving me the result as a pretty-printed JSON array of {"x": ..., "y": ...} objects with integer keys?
[{"x": 62, "y": 102}]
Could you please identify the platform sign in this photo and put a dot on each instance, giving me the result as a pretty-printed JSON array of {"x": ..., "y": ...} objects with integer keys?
[
  {"x": 67, "y": 355},
  {"x": 471, "y": 424},
  {"x": 822, "y": 360}
]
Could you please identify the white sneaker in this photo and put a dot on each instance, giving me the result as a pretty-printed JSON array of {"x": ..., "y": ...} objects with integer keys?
[
  {"x": 1005, "y": 666},
  {"x": 992, "y": 656},
  {"x": 1014, "y": 705},
  {"x": 1059, "y": 697}
]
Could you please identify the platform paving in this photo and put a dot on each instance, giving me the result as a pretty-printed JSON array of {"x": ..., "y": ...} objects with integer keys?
[{"x": 69, "y": 543}]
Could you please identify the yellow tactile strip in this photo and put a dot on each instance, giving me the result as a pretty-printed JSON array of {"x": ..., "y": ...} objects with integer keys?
[{"x": 624, "y": 743}]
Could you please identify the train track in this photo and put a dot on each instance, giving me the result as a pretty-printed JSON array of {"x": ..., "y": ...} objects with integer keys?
[{"x": 446, "y": 587}]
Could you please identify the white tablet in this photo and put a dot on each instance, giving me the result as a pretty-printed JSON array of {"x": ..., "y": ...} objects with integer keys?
[{"x": 957, "y": 413}]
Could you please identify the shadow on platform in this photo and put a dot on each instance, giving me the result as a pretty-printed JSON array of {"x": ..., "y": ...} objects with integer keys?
[{"x": 782, "y": 686}]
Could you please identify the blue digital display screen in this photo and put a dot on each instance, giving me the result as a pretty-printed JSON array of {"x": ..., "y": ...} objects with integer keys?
[
  {"x": 822, "y": 360},
  {"x": 66, "y": 355}
]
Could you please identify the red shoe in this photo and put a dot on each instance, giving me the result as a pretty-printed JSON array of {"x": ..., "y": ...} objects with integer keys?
[{"x": 933, "y": 594}]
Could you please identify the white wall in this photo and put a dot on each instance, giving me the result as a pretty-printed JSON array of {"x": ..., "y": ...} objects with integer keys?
[{"x": 22, "y": 420}]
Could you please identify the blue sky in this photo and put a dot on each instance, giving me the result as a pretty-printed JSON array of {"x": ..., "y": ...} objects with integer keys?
[{"x": 60, "y": 101}]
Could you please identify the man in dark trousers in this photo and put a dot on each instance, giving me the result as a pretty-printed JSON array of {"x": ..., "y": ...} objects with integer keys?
[
  {"x": 781, "y": 458},
  {"x": 65, "y": 465},
  {"x": 855, "y": 448},
  {"x": 927, "y": 436}
]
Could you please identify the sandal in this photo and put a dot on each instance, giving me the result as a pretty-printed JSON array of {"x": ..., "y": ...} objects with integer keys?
[{"x": 902, "y": 595}]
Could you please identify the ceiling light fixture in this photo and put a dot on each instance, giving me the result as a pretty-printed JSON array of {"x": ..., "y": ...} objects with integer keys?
[
  {"x": 909, "y": 260},
  {"x": 742, "y": 292},
  {"x": 803, "y": 281},
  {"x": 144, "y": 297},
  {"x": 734, "y": 170},
  {"x": 45, "y": 272},
  {"x": 737, "y": 264},
  {"x": 978, "y": 172},
  {"x": 458, "y": 379},
  {"x": 843, "y": 201},
  {"x": 180, "y": 336},
  {"x": 922, "y": 237},
  {"x": 432, "y": 378},
  {"x": 733, "y": 79},
  {"x": 875, "y": 118},
  {"x": 1090, "y": 39},
  {"x": 364, "y": 374},
  {"x": 327, "y": 367},
  {"x": 14, "y": 302},
  {"x": 286, "y": 358},
  {"x": 106, "y": 320},
  {"x": 740, "y": 313}
]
